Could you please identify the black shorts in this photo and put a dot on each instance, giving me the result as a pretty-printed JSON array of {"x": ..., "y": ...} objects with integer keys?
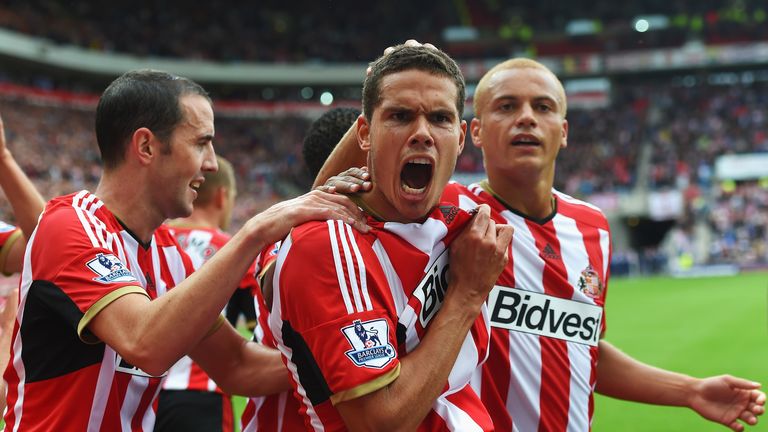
[{"x": 192, "y": 411}]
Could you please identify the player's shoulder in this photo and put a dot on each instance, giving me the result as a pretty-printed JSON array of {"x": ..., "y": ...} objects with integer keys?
[
  {"x": 317, "y": 243},
  {"x": 321, "y": 231},
  {"x": 164, "y": 236},
  {"x": 78, "y": 215},
  {"x": 580, "y": 210}
]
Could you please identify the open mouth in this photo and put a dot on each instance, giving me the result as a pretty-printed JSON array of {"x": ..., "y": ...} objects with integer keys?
[
  {"x": 525, "y": 140},
  {"x": 416, "y": 175},
  {"x": 195, "y": 185}
]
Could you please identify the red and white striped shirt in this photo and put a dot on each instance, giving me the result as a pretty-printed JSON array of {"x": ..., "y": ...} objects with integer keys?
[
  {"x": 200, "y": 244},
  {"x": 9, "y": 234},
  {"x": 277, "y": 412},
  {"x": 348, "y": 306},
  {"x": 60, "y": 377},
  {"x": 546, "y": 315}
]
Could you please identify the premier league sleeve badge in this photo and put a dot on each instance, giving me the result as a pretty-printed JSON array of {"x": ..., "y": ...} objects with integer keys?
[{"x": 370, "y": 343}]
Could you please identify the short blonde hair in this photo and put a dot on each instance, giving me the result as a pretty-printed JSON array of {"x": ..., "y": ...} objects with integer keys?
[
  {"x": 223, "y": 177},
  {"x": 481, "y": 92}
]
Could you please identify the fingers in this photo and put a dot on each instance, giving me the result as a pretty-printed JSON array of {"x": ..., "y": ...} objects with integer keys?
[
  {"x": 342, "y": 209},
  {"x": 410, "y": 43},
  {"x": 741, "y": 382},
  {"x": 748, "y": 417},
  {"x": 504, "y": 237}
]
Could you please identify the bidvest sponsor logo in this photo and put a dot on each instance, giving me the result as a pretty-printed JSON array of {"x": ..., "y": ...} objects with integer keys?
[
  {"x": 431, "y": 289},
  {"x": 540, "y": 314}
]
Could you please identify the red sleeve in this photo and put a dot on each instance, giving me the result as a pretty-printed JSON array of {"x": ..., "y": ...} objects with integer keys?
[
  {"x": 82, "y": 269},
  {"x": 334, "y": 294}
]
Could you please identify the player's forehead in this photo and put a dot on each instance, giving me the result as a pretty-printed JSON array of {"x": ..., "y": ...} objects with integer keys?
[
  {"x": 197, "y": 114},
  {"x": 525, "y": 82},
  {"x": 415, "y": 88}
]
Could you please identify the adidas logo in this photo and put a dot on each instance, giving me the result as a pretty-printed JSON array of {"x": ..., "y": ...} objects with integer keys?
[
  {"x": 449, "y": 213},
  {"x": 549, "y": 253}
]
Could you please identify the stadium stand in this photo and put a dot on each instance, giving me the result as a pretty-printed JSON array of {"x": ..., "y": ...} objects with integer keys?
[{"x": 642, "y": 137}]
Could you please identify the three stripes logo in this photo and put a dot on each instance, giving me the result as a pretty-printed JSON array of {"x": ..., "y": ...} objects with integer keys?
[{"x": 549, "y": 253}]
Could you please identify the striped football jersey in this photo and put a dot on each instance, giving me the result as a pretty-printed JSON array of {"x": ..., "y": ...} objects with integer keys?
[
  {"x": 546, "y": 314},
  {"x": 60, "y": 376},
  {"x": 349, "y": 305}
]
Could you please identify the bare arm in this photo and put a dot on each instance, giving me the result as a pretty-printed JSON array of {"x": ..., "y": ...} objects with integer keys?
[
  {"x": 477, "y": 258},
  {"x": 723, "y": 399},
  {"x": 252, "y": 369},
  {"x": 147, "y": 333},
  {"x": 346, "y": 154},
  {"x": 26, "y": 201}
]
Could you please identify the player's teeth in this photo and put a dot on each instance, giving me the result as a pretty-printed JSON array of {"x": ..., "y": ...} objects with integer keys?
[
  {"x": 420, "y": 161},
  {"x": 411, "y": 190}
]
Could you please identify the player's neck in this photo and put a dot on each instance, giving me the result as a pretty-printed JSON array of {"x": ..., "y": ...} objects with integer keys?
[
  {"x": 530, "y": 198},
  {"x": 381, "y": 210},
  {"x": 129, "y": 203},
  {"x": 202, "y": 217}
]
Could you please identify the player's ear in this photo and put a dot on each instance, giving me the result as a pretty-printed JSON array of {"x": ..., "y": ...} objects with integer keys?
[
  {"x": 474, "y": 130},
  {"x": 363, "y": 133},
  {"x": 564, "y": 142},
  {"x": 222, "y": 194},
  {"x": 463, "y": 135},
  {"x": 144, "y": 145}
]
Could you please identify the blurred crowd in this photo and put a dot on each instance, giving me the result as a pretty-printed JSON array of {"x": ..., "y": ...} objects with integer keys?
[
  {"x": 273, "y": 31},
  {"x": 684, "y": 123},
  {"x": 56, "y": 146}
]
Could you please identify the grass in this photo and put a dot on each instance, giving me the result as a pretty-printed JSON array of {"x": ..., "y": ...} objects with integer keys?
[{"x": 702, "y": 327}]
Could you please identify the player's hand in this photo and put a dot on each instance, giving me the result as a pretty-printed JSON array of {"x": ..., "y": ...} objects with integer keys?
[
  {"x": 478, "y": 255},
  {"x": 276, "y": 222},
  {"x": 728, "y": 400},
  {"x": 350, "y": 181}
]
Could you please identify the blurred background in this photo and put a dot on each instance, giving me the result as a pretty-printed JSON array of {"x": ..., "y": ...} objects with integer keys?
[{"x": 667, "y": 113}]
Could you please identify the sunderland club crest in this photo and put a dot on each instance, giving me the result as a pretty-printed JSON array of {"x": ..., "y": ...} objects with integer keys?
[
  {"x": 370, "y": 343},
  {"x": 590, "y": 283}
]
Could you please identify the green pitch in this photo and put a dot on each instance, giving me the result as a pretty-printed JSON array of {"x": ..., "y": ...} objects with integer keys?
[{"x": 704, "y": 326}]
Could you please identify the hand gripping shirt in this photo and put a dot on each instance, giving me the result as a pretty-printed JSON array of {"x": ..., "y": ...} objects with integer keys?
[
  {"x": 60, "y": 376},
  {"x": 277, "y": 412},
  {"x": 349, "y": 305},
  {"x": 546, "y": 315}
]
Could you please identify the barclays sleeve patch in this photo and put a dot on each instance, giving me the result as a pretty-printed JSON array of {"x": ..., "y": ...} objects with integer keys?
[
  {"x": 370, "y": 343},
  {"x": 109, "y": 269}
]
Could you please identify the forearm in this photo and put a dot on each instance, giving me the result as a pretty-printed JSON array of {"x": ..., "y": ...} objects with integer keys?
[
  {"x": 241, "y": 367},
  {"x": 346, "y": 154},
  {"x": 622, "y": 377},
  {"x": 404, "y": 403},
  {"x": 26, "y": 201},
  {"x": 153, "y": 335}
]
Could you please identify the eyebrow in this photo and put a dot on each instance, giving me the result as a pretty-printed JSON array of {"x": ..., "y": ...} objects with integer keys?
[{"x": 535, "y": 99}]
